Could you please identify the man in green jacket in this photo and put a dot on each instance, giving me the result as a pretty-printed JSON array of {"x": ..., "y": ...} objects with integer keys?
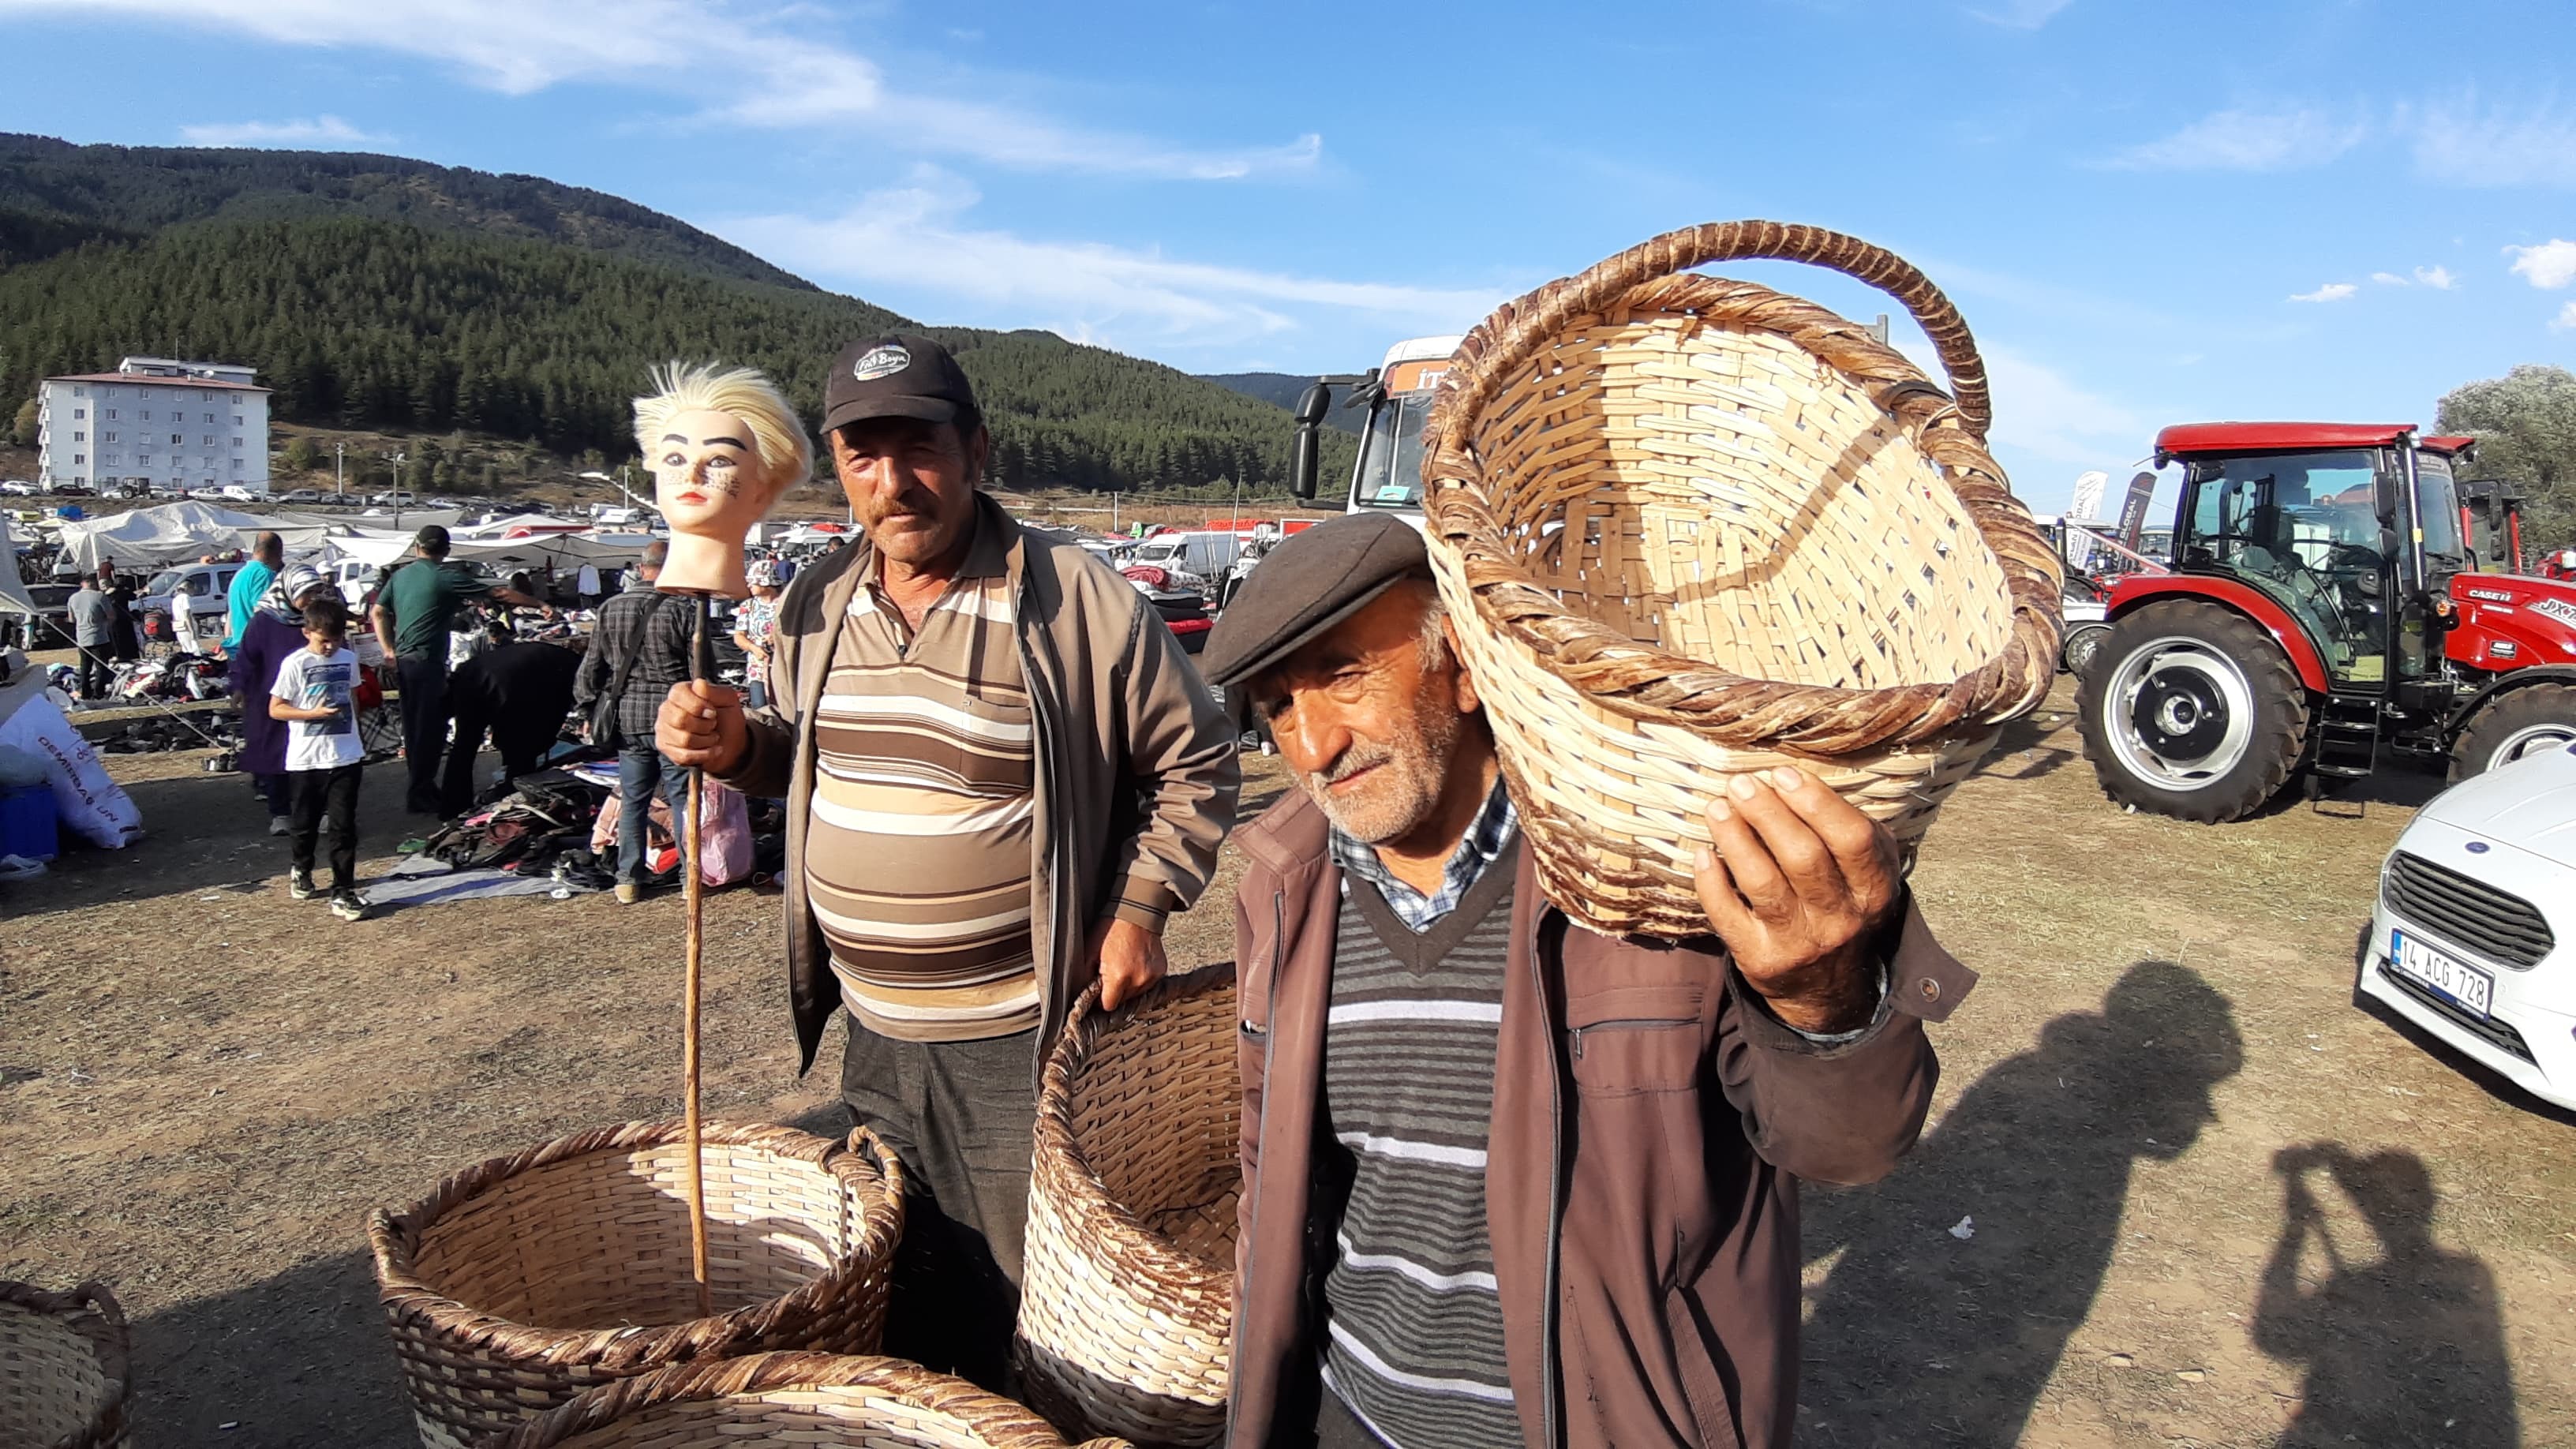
[{"x": 1002, "y": 776}]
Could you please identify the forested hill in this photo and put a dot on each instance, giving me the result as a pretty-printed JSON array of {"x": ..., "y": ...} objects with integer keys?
[
  {"x": 1282, "y": 389},
  {"x": 359, "y": 320},
  {"x": 55, "y": 195}
]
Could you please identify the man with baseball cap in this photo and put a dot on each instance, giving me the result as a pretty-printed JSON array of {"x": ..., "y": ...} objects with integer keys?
[
  {"x": 1506, "y": 1181},
  {"x": 1002, "y": 776},
  {"x": 414, "y": 612}
]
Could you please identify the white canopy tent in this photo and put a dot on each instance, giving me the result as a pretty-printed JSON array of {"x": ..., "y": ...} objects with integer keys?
[
  {"x": 176, "y": 532},
  {"x": 568, "y": 551},
  {"x": 13, "y": 594}
]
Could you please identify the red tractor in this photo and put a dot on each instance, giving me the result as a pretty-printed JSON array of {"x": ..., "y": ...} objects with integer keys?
[{"x": 2320, "y": 603}]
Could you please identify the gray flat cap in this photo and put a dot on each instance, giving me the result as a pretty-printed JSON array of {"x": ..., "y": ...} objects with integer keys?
[{"x": 1313, "y": 580}]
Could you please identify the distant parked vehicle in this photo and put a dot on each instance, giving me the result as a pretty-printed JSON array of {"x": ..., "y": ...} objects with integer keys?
[
  {"x": 17, "y": 487},
  {"x": 301, "y": 495},
  {"x": 201, "y": 587}
]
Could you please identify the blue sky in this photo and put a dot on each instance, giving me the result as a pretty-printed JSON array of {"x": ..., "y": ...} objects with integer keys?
[{"x": 2148, "y": 213}]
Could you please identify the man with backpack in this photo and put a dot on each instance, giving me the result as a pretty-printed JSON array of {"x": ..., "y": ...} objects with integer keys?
[{"x": 639, "y": 649}]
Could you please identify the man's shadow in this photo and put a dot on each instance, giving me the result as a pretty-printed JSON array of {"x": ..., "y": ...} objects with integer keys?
[
  {"x": 2405, "y": 1347},
  {"x": 1920, "y": 1336}
]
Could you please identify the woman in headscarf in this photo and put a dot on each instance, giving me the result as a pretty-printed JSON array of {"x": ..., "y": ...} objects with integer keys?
[{"x": 275, "y": 631}]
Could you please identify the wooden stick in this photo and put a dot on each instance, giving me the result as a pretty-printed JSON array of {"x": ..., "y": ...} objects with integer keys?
[{"x": 694, "y": 892}]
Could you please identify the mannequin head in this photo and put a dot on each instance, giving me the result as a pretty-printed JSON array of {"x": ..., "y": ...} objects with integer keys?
[{"x": 723, "y": 444}]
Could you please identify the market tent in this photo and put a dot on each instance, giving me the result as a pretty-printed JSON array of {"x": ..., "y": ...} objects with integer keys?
[
  {"x": 176, "y": 532},
  {"x": 378, "y": 547},
  {"x": 13, "y": 594}
]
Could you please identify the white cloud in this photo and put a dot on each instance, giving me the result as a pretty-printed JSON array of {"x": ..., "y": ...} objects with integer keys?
[
  {"x": 2330, "y": 292},
  {"x": 762, "y": 72},
  {"x": 2247, "y": 141},
  {"x": 2464, "y": 144},
  {"x": 2548, "y": 266},
  {"x": 2565, "y": 320},
  {"x": 2440, "y": 279},
  {"x": 918, "y": 238},
  {"x": 2022, "y": 14},
  {"x": 321, "y": 133}
]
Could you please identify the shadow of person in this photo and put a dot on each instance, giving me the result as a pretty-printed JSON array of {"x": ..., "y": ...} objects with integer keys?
[
  {"x": 1919, "y": 1336},
  {"x": 2406, "y": 1348}
]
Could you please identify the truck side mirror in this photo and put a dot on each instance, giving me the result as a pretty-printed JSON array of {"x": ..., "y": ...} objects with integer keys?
[{"x": 1307, "y": 456}]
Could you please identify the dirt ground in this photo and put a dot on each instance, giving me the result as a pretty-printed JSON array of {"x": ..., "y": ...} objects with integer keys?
[{"x": 204, "y": 1087}]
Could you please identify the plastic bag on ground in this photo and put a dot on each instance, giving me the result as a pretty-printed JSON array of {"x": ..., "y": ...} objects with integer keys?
[
  {"x": 90, "y": 804},
  {"x": 724, "y": 835}
]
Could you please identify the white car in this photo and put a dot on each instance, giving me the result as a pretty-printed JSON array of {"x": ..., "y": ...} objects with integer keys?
[{"x": 2474, "y": 937}]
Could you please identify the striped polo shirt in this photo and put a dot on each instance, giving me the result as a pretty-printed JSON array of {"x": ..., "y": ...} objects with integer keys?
[
  {"x": 1413, "y": 1326},
  {"x": 918, "y": 852}
]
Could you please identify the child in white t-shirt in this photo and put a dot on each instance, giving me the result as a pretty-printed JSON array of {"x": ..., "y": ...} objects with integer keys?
[{"x": 314, "y": 696}]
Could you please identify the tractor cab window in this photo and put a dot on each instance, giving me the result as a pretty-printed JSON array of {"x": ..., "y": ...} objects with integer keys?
[
  {"x": 2438, "y": 497},
  {"x": 2304, "y": 529},
  {"x": 1390, "y": 471}
]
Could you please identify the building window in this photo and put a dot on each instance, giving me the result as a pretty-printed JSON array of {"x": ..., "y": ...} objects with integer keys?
[
  {"x": 107, "y": 437},
  {"x": 146, "y": 415},
  {"x": 80, "y": 437},
  {"x": 78, "y": 391},
  {"x": 143, "y": 392},
  {"x": 210, "y": 440},
  {"x": 111, "y": 412},
  {"x": 109, "y": 391},
  {"x": 237, "y": 420},
  {"x": 175, "y": 440},
  {"x": 77, "y": 460},
  {"x": 80, "y": 412}
]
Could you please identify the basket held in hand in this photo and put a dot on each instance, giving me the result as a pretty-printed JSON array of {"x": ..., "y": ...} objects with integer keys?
[
  {"x": 1127, "y": 1281},
  {"x": 63, "y": 1368},
  {"x": 524, "y": 1280},
  {"x": 818, "y": 1399},
  {"x": 1689, "y": 528}
]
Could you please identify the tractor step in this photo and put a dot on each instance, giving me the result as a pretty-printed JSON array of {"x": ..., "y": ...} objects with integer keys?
[{"x": 2347, "y": 737}]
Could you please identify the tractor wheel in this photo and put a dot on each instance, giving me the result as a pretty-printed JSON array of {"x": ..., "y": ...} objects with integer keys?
[
  {"x": 2083, "y": 644},
  {"x": 2191, "y": 710},
  {"x": 2531, "y": 720}
]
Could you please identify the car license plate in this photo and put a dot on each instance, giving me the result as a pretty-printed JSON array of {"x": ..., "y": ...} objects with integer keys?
[{"x": 2465, "y": 984}]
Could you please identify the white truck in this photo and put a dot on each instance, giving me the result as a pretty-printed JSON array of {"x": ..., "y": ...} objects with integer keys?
[{"x": 1397, "y": 394}]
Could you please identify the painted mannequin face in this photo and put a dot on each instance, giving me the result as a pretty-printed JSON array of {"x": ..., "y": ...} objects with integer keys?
[{"x": 707, "y": 474}]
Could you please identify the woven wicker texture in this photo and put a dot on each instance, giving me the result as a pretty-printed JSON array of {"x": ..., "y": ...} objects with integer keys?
[
  {"x": 805, "y": 1399},
  {"x": 521, "y": 1281},
  {"x": 1690, "y": 527},
  {"x": 63, "y": 1368},
  {"x": 1127, "y": 1291}
]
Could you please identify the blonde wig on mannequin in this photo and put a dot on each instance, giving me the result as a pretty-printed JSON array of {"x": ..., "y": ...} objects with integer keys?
[{"x": 786, "y": 455}]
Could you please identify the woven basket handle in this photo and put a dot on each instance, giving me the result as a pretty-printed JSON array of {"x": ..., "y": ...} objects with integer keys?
[
  {"x": 1726, "y": 241},
  {"x": 888, "y": 1166}
]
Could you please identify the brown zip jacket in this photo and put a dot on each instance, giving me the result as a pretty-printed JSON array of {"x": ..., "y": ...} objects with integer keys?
[
  {"x": 1136, "y": 769},
  {"x": 1651, "y": 1122}
]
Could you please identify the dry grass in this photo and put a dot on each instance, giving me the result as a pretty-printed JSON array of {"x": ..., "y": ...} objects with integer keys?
[{"x": 203, "y": 1086}]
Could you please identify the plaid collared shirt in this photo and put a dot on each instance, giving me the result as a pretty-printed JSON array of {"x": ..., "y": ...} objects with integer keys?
[{"x": 1486, "y": 837}]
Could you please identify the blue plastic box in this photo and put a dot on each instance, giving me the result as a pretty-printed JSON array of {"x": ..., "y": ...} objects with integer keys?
[{"x": 27, "y": 823}]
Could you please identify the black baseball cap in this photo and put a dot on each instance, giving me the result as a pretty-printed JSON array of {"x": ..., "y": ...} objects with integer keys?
[
  {"x": 431, "y": 539},
  {"x": 896, "y": 375}
]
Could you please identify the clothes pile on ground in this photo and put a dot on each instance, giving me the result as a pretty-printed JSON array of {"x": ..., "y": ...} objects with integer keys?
[
  {"x": 219, "y": 730},
  {"x": 86, "y": 802}
]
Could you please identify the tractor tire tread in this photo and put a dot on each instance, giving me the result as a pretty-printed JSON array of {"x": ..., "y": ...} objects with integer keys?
[{"x": 2277, "y": 690}]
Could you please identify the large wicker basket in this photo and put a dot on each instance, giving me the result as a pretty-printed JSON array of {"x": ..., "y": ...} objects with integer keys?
[
  {"x": 1127, "y": 1284},
  {"x": 1689, "y": 527},
  {"x": 816, "y": 1399},
  {"x": 524, "y": 1280},
  {"x": 62, "y": 1368}
]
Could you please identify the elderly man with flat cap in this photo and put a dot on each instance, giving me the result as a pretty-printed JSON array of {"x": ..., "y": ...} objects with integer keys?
[
  {"x": 1507, "y": 1181},
  {"x": 1002, "y": 776}
]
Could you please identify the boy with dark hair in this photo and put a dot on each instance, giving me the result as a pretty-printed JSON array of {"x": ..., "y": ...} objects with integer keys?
[{"x": 322, "y": 752}]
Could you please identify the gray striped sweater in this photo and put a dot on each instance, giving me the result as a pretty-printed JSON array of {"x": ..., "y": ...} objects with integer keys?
[{"x": 1413, "y": 1340}]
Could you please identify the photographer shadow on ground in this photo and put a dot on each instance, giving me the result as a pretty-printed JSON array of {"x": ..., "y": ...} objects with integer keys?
[
  {"x": 2402, "y": 1347},
  {"x": 1920, "y": 1336}
]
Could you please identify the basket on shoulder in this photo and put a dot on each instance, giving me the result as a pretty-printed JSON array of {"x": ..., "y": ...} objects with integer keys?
[{"x": 1689, "y": 528}]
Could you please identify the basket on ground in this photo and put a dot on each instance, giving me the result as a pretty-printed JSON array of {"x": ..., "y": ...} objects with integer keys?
[
  {"x": 524, "y": 1280},
  {"x": 817, "y": 1399},
  {"x": 1127, "y": 1283},
  {"x": 1689, "y": 527},
  {"x": 62, "y": 1368}
]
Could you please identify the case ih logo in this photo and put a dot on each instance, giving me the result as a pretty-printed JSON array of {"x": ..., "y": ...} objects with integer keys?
[{"x": 2492, "y": 596}]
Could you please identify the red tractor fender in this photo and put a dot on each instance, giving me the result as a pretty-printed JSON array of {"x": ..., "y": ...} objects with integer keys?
[
  {"x": 2139, "y": 590},
  {"x": 2511, "y": 621}
]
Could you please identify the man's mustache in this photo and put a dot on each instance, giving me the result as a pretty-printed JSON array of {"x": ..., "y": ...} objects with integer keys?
[{"x": 1353, "y": 760}]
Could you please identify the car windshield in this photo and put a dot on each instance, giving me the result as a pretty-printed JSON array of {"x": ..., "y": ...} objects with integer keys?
[
  {"x": 164, "y": 582},
  {"x": 1390, "y": 471}
]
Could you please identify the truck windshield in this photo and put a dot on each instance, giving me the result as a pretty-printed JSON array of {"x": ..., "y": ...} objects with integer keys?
[{"x": 1390, "y": 471}]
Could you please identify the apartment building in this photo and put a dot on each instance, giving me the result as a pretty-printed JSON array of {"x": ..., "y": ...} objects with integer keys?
[{"x": 174, "y": 426}]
